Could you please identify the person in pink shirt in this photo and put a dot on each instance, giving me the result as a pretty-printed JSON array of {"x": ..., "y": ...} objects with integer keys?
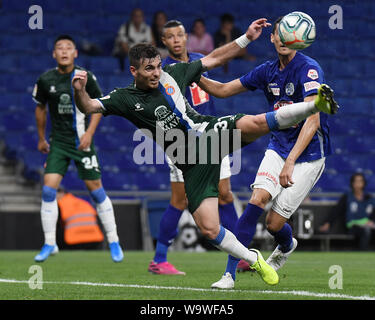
[{"x": 199, "y": 40}]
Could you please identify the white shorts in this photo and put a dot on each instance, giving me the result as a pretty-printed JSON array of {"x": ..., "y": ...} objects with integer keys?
[
  {"x": 287, "y": 200},
  {"x": 176, "y": 174}
]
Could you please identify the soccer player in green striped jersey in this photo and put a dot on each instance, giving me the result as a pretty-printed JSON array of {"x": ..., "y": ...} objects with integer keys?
[
  {"x": 71, "y": 138},
  {"x": 155, "y": 102}
]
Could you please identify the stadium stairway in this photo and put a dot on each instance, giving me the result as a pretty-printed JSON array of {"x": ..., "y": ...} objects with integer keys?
[{"x": 14, "y": 194}]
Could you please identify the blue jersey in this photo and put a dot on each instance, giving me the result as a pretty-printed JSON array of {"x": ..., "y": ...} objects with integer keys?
[
  {"x": 198, "y": 99},
  {"x": 299, "y": 79}
]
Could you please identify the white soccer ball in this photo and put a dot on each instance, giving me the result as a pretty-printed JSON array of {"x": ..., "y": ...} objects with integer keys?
[{"x": 297, "y": 30}]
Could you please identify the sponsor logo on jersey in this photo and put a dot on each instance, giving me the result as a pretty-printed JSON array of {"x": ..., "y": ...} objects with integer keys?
[
  {"x": 289, "y": 89},
  {"x": 52, "y": 89},
  {"x": 274, "y": 89},
  {"x": 166, "y": 119},
  {"x": 311, "y": 85},
  {"x": 313, "y": 74},
  {"x": 65, "y": 105},
  {"x": 169, "y": 89}
]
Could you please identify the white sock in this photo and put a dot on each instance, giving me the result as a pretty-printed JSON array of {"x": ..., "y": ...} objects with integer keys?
[
  {"x": 107, "y": 218},
  {"x": 231, "y": 245},
  {"x": 49, "y": 214},
  {"x": 291, "y": 114}
]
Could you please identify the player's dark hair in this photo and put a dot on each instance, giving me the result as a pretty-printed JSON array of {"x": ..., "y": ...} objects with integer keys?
[
  {"x": 142, "y": 51},
  {"x": 276, "y": 23},
  {"x": 357, "y": 174},
  {"x": 64, "y": 37},
  {"x": 172, "y": 24}
]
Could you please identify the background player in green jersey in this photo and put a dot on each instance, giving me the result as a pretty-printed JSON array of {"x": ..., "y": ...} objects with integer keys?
[
  {"x": 159, "y": 93},
  {"x": 71, "y": 138}
]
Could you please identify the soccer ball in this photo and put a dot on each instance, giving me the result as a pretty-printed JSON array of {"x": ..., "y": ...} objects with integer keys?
[{"x": 297, "y": 30}]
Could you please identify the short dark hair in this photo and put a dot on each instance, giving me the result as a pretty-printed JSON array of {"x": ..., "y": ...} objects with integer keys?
[
  {"x": 64, "y": 37},
  {"x": 275, "y": 24},
  {"x": 142, "y": 51},
  {"x": 172, "y": 24}
]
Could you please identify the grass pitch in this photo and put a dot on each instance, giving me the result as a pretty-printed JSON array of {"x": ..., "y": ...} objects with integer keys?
[{"x": 91, "y": 275}]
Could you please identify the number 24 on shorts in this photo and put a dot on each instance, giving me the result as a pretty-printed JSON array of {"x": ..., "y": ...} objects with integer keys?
[{"x": 90, "y": 163}]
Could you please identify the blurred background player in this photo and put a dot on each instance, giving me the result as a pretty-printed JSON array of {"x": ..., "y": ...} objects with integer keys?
[
  {"x": 356, "y": 209},
  {"x": 295, "y": 157},
  {"x": 175, "y": 38},
  {"x": 131, "y": 33},
  {"x": 71, "y": 139}
]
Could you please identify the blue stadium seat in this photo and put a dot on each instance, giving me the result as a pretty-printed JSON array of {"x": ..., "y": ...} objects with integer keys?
[{"x": 106, "y": 65}]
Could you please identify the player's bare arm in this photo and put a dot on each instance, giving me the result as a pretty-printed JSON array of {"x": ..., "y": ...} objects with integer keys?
[
  {"x": 220, "y": 89},
  {"x": 83, "y": 101},
  {"x": 227, "y": 52},
  {"x": 305, "y": 136},
  {"x": 41, "y": 121}
]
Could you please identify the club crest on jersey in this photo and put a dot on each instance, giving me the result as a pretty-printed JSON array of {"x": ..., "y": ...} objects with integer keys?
[
  {"x": 289, "y": 89},
  {"x": 169, "y": 90}
]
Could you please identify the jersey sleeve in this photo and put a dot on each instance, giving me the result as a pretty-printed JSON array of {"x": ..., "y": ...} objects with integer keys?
[
  {"x": 39, "y": 94},
  {"x": 311, "y": 77},
  {"x": 255, "y": 79},
  {"x": 114, "y": 103},
  {"x": 92, "y": 86},
  {"x": 187, "y": 73}
]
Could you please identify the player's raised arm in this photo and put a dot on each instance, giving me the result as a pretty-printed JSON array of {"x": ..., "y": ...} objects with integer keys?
[
  {"x": 227, "y": 52},
  {"x": 220, "y": 89},
  {"x": 83, "y": 101}
]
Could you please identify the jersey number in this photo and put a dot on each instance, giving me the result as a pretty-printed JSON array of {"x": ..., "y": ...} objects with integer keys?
[{"x": 90, "y": 163}]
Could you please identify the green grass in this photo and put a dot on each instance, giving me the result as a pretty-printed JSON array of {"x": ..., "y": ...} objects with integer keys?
[{"x": 305, "y": 271}]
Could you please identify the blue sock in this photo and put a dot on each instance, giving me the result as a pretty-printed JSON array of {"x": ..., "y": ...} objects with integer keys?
[
  {"x": 244, "y": 231},
  {"x": 284, "y": 238},
  {"x": 167, "y": 232},
  {"x": 98, "y": 195},
  {"x": 228, "y": 216},
  {"x": 48, "y": 194}
]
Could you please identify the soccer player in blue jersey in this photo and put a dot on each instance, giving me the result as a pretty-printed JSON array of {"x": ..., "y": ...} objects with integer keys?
[
  {"x": 175, "y": 38},
  {"x": 295, "y": 157}
]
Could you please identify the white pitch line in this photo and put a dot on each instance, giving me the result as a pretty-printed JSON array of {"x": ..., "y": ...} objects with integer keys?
[{"x": 119, "y": 285}]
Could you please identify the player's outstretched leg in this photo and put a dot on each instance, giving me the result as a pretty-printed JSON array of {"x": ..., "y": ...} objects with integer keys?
[
  {"x": 167, "y": 233},
  {"x": 107, "y": 218},
  {"x": 49, "y": 215}
]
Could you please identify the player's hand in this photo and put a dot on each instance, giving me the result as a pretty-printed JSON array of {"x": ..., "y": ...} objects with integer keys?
[
  {"x": 85, "y": 141},
  {"x": 256, "y": 27},
  {"x": 286, "y": 173},
  {"x": 43, "y": 146},
  {"x": 79, "y": 80}
]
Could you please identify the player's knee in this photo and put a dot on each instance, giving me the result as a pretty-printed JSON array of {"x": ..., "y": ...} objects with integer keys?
[
  {"x": 226, "y": 197},
  {"x": 260, "y": 199},
  {"x": 179, "y": 202},
  {"x": 209, "y": 232},
  {"x": 48, "y": 194}
]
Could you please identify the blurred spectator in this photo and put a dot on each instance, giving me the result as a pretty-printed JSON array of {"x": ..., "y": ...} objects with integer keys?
[
  {"x": 131, "y": 33},
  {"x": 199, "y": 40},
  {"x": 79, "y": 221},
  {"x": 160, "y": 19},
  {"x": 229, "y": 32},
  {"x": 356, "y": 208}
]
